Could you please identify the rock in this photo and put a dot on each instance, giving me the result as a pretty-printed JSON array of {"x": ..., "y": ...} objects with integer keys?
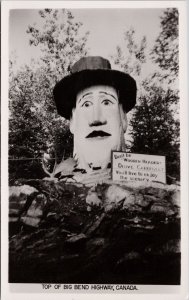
[
  {"x": 13, "y": 212},
  {"x": 13, "y": 219},
  {"x": 98, "y": 242},
  {"x": 30, "y": 221},
  {"x": 37, "y": 206},
  {"x": 154, "y": 191},
  {"x": 24, "y": 189},
  {"x": 51, "y": 215},
  {"x": 164, "y": 209},
  {"x": 132, "y": 236},
  {"x": 129, "y": 256},
  {"x": 157, "y": 208},
  {"x": 148, "y": 199},
  {"x": 115, "y": 194},
  {"x": 175, "y": 198},
  {"x": 34, "y": 211},
  {"x": 93, "y": 199},
  {"x": 129, "y": 201},
  {"x": 95, "y": 225},
  {"x": 18, "y": 197},
  {"x": 76, "y": 238},
  {"x": 109, "y": 207}
]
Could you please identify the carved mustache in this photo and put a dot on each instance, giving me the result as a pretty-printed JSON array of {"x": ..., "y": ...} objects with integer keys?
[{"x": 97, "y": 133}]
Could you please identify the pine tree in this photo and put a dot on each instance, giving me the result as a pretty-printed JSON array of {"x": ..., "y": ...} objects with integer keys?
[{"x": 154, "y": 129}]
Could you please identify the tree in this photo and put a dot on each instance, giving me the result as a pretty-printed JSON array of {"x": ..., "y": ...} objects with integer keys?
[
  {"x": 154, "y": 125},
  {"x": 35, "y": 127},
  {"x": 62, "y": 45},
  {"x": 166, "y": 48},
  {"x": 59, "y": 40},
  {"x": 131, "y": 59},
  {"x": 154, "y": 129},
  {"x": 25, "y": 140}
]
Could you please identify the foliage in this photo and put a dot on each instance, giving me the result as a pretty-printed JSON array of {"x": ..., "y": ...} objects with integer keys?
[
  {"x": 132, "y": 59},
  {"x": 35, "y": 128},
  {"x": 59, "y": 41},
  {"x": 154, "y": 129},
  {"x": 166, "y": 48},
  {"x": 154, "y": 125}
]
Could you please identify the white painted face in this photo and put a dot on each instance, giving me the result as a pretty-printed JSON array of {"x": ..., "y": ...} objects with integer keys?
[{"x": 98, "y": 124}]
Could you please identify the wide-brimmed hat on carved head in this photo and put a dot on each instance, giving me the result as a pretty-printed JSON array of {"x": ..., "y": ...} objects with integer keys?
[{"x": 90, "y": 71}]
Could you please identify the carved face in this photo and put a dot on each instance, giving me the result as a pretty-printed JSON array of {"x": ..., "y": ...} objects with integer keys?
[{"x": 98, "y": 124}]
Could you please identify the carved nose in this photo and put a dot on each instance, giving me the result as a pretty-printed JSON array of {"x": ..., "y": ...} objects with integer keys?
[{"x": 97, "y": 116}]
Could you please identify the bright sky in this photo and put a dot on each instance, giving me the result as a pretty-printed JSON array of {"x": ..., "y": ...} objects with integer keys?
[{"x": 106, "y": 28}]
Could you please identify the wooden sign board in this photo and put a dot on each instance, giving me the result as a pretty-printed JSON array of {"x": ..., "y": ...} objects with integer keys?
[{"x": 138, "y": 167}]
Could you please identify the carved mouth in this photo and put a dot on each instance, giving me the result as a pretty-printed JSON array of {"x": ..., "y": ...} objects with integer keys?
[{"x": 98, "y": 134}]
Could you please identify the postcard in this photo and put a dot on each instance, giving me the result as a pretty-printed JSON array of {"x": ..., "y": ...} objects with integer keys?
[{"x": 94, "y": 149}]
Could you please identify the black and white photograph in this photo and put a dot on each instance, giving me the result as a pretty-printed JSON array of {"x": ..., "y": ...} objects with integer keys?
[{"x": 94, "y": 156}]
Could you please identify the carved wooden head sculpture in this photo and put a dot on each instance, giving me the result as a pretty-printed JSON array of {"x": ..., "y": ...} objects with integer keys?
[{"x": 95, "y": 99}]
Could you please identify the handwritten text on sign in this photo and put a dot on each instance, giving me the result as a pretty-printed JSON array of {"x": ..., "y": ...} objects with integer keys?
[{"x": 138, "y": 167}]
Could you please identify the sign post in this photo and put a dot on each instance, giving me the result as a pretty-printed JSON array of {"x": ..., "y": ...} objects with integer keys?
[{"x": 138, "y": 167}]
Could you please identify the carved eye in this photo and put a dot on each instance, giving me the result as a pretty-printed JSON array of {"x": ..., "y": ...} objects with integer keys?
[
  {"x": 87, "y": 104},
  {"x": 107, "y": 102}
]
